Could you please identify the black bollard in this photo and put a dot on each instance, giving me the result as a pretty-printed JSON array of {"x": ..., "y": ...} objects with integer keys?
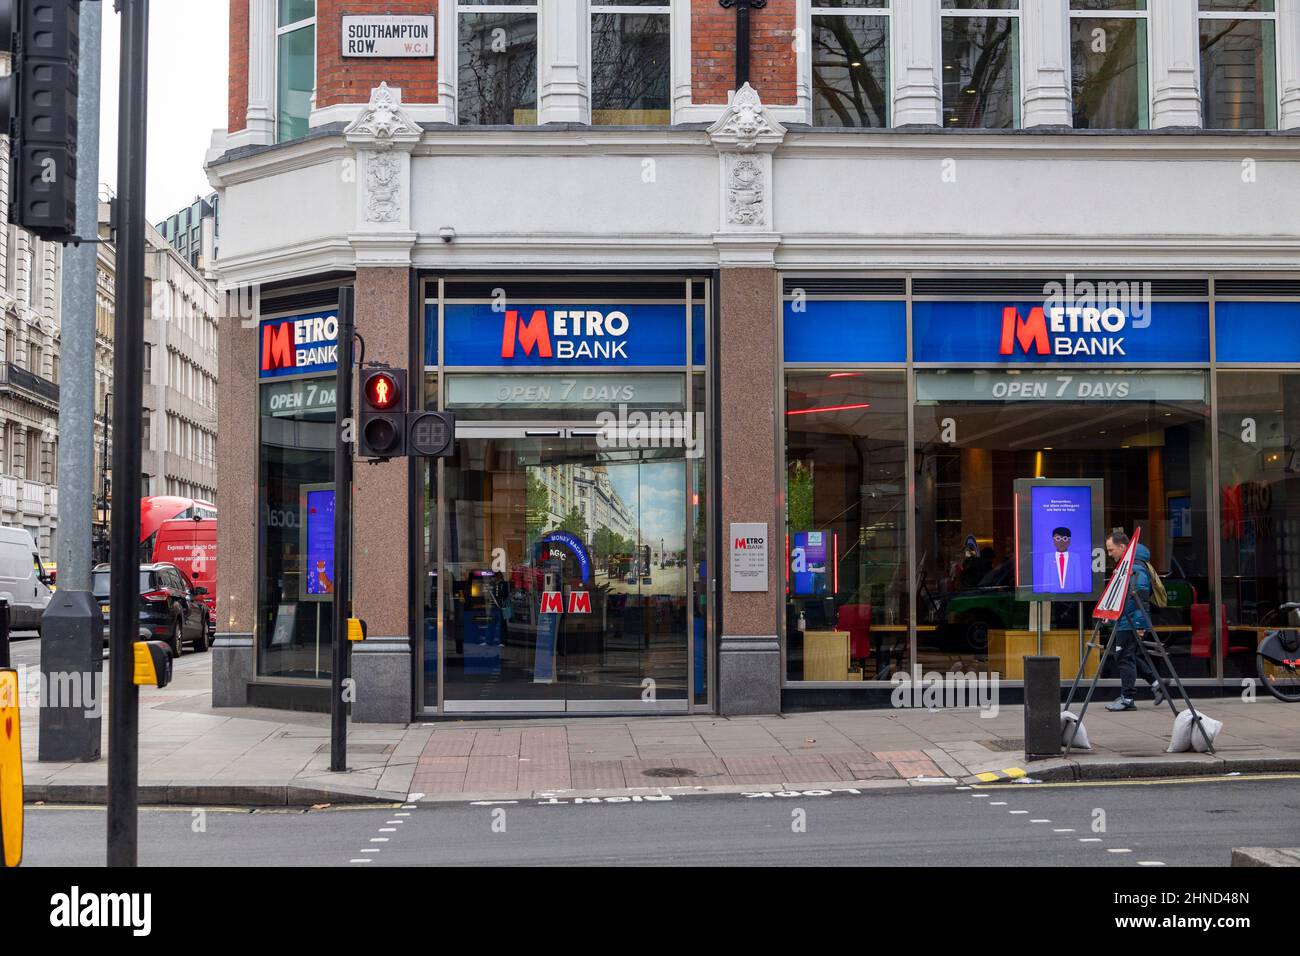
[{"x": 1042, "y": 707}]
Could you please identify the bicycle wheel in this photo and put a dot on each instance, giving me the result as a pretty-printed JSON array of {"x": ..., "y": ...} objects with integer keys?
[{"x": 1281, "y": 680}]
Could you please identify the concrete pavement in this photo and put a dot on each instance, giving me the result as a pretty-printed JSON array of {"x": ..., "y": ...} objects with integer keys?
[{"x": 190, "y": 753}]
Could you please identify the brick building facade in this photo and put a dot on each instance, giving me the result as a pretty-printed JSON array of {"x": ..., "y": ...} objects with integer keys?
[{"x": 565, "y": 210}]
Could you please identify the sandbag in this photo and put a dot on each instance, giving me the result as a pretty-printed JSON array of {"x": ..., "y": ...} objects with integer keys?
[
  {"x": 1186, "y": 737},
  {"x": 1068, "y": 720}
]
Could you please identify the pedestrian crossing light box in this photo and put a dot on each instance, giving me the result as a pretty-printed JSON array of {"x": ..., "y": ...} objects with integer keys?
[{"x": 1059, "y": 539}]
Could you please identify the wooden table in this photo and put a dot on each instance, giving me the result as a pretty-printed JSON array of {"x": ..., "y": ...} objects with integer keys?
[
  {"x": 826, "y": 655},
  {"x": 1008, "y": 649}
]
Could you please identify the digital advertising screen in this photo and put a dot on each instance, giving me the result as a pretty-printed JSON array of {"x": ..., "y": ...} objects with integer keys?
[
  {"x": 318, "y": 541},
  {"x": 1058, "y": 538},
  {"x": 809, "y": 551}
]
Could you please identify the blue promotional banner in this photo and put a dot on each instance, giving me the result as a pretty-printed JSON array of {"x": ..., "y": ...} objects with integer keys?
[
  {"x": 298, "y": 345},
  {"x": 1061, "y": 537},
  {"x": 1024, "y": 333},
  {"x": 561, "y": 336},
  {"x": 1257, "y": 332},
  {"x": 320, "y": 542},
  {"x": 838, "y": 331}
]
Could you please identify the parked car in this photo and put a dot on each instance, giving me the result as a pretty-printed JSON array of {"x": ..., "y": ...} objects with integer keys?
[
  {"x": 23, "y": 581},
  {"x": 171, "y": 608}
]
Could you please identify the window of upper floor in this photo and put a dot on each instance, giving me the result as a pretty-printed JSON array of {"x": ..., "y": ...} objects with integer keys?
[
  {"x": 295, "y": 67},
  {"x": 502, "y": 47},
  {"x": 850, "y": 52},
  {"x": 498, "y": 55},
  {"x": 1239, "y": 88}
]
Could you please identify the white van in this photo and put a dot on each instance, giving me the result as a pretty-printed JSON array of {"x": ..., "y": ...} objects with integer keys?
[{"x": 23, "y": 581}]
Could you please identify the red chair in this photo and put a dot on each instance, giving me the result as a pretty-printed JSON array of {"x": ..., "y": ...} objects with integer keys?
[
  {"x": 1202, "y": 644},
  {"x": 856, "y": 619}
]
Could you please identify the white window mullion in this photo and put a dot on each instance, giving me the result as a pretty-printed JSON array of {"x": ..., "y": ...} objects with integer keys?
[
  {"x": 1288, "y": 63},
  {"x": 1175, "y": 65},
  {"x": 1045, "y": 61},
  {"x": 564, "y": 61}
]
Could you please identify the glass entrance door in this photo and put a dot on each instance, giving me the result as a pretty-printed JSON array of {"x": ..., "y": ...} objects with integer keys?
[{"x": 566, "y": 583}]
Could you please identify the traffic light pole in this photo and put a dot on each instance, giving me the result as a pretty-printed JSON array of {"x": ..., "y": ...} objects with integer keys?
[
  {"x": 128, "y": 389},
  {"x": 71, "y": 733},
  {"x": 344, "y": 425}
]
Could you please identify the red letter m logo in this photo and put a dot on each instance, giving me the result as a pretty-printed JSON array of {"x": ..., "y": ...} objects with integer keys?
[
  {"x": 533, "y": 334},
  {"x": 740, "y": 544},
  {"x": 552, "y": 602},
  {"x": 579, "y": 602},
  {"x": 1026, "y": 332},
  {"x": 277, "y": 346}
]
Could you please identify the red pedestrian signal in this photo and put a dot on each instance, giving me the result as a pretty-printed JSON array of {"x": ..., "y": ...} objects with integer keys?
[
  {"x": 382, "y": 420},
  {"x": 382, "y": 392}
]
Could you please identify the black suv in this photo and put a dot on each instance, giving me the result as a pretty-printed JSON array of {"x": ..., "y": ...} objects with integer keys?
[{"x": 170, "y": 609}]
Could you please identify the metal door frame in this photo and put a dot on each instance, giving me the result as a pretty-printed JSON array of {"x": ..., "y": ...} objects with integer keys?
[{"x": 566, "y": 431}]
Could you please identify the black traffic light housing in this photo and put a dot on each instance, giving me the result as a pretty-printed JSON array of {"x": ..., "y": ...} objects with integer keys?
[
  {"x": 431, "y": 434},
  {"x": 38, "y": 105},
  {"x": 381, "y": 426}
]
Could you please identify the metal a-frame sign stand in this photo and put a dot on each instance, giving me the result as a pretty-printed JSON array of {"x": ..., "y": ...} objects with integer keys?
[{"x": 1119, "y": 590}]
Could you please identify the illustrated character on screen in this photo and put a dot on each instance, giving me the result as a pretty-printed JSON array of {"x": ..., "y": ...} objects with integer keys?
[
  {"x": 1062, "y": 572},
  {"x": 326, "y": 585}
]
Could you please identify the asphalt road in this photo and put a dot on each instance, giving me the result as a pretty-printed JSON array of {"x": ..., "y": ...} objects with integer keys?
[
  {"x": 1172, "y": 823},
  {"x": 25, "y": 649}
]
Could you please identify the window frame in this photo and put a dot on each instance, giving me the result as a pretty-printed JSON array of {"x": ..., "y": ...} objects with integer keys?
[
  {"x": 995, "y": 13},
  {"x": 1262, "y": 15},
  {"x": 315, "y": 62},
  {"x": 661, "y": 8},
  {"x": 887, "y": 11},
  {"x": 459, "y": 7},
  {"x": 1144, "y": 14}
]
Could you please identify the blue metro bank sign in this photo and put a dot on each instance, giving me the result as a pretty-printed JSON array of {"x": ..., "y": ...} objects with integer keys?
[
  {"x": 564, "y": 335},
  {"x": 1027, "y": 332}
]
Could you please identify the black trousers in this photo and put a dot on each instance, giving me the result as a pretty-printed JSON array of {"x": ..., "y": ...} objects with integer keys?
[{"x": 1131, "y": 663}]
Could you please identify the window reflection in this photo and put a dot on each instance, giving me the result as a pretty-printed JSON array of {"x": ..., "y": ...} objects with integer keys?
[
  {"x": 846, "y": 525},
  {"x": 1153, "y": 455},
  {"x": 850, "y": 69},
  {"x": 630, "y": 69},
  {"x": 1108, "y": 57},
  {"x": 1238, "y": 73},
  {"x": 1259, "y": 505},
  {"x": 497, "y": 69},
  {"x": 296, "y": 463},
  {"x": 981, "y": 71}
]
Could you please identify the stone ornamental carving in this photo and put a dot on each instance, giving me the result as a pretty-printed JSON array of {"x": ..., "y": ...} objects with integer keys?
[
  {"x": 745, "y": 189},
  {"x": 383, "y": 187},
  {"x": 383, "y": 123},
  {"x": 746, "y": 121},
  {"x": 747, "y": 124},
  {"x": 384, "y": 136},
  {"x": 745, "y": 136}
]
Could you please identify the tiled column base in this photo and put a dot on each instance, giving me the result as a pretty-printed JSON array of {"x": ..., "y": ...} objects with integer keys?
[
  {"x": 381, "y": 668},
  {"x": 232, "y": 669}
]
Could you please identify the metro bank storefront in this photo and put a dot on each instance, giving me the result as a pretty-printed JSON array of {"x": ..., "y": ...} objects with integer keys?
[{"x": 572, "y": 557}]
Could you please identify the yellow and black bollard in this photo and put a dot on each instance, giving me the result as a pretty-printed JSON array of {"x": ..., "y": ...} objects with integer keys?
[{"x": 11, "y": 771}]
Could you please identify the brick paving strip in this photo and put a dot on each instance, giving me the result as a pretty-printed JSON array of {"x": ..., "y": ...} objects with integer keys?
[{"x": 191, "y": 753}]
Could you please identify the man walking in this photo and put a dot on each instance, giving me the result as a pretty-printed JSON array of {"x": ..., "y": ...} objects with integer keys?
[{"x": 1130, "y": 628}]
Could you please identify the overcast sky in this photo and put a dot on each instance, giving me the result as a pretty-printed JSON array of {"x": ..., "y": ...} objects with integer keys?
[{"x": 188, "y": 53}]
